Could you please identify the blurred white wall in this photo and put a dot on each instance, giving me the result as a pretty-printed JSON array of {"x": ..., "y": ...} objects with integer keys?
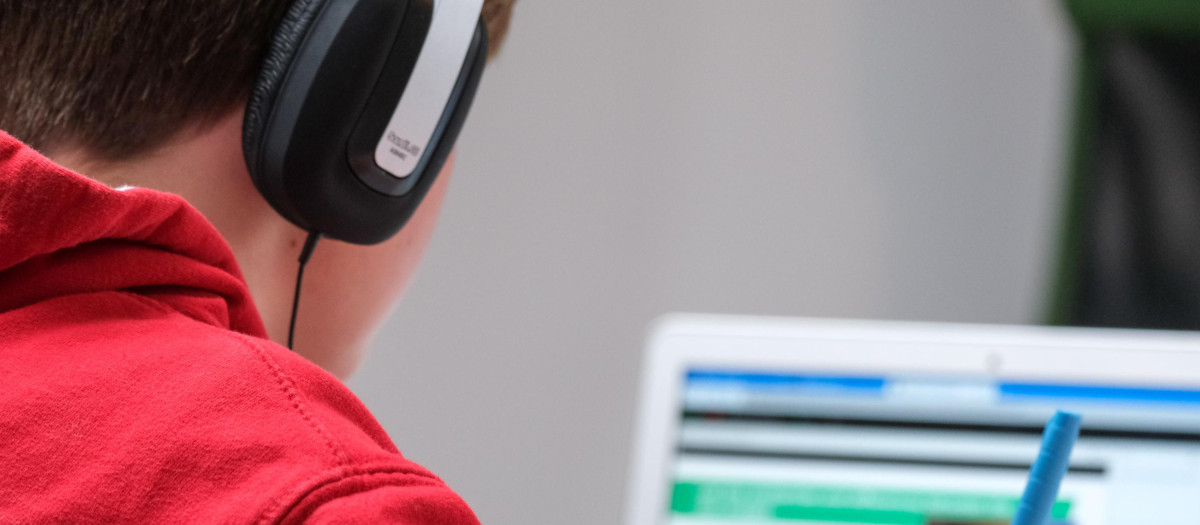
[{"x": 625, "y": 159}]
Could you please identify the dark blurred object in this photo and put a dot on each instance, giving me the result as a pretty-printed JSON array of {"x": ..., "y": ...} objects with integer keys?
[{"x": 1131, "y": 251}]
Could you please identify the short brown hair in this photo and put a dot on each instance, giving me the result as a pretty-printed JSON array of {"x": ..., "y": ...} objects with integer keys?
[{"x": 118, "y": 78}]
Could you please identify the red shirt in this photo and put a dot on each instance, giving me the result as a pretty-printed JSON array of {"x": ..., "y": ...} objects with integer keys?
[{"x": 137, "y": 383}]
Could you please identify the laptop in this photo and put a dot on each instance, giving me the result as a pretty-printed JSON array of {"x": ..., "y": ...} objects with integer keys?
[{"x": 803, "y": 421}]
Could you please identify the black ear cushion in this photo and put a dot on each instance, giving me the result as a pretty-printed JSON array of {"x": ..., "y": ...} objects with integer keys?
[{"x": 278, "y": 59}]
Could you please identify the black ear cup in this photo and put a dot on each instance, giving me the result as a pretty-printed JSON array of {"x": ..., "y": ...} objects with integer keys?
[
  {"x": 279, "y": 56},
  {"x": 333, "y": 77}
]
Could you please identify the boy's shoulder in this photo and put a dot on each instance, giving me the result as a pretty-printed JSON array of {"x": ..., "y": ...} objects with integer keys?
[{"x": 118, "y": 406}]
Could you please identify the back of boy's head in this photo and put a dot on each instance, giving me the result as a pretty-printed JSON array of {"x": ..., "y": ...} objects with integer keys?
[{"x": 118, "y": 78}]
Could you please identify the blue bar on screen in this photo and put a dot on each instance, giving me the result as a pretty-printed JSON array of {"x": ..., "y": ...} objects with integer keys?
[
  {"x": 1036, "y": 391},
  {"x": 758, "y": 380},
  {"x": 1006, "y": 391}
]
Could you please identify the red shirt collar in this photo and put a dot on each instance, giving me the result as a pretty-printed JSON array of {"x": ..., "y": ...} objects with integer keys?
[{"x": 63, "y": 234}]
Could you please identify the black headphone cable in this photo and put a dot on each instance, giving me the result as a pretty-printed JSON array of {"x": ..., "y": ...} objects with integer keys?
[{"x": 310, "y": 245}]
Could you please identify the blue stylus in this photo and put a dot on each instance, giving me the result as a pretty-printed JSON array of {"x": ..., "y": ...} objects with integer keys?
[{"x": 1048, "y": 470}]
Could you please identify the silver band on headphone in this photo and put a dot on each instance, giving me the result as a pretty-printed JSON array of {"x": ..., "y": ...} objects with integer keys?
[{"x": 429, "y": 88}]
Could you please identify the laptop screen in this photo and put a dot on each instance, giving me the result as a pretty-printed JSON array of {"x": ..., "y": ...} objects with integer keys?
[{"x": 807, "y": 447}]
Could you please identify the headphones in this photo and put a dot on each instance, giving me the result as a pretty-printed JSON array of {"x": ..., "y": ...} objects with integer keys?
[{"x": 356, "y": 107}]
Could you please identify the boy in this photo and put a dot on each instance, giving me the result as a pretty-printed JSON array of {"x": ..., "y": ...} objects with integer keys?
[{"x": 142, "y": 308}]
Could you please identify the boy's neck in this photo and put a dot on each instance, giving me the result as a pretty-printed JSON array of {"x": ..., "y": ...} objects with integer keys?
[{"x": 205, "y": 166}]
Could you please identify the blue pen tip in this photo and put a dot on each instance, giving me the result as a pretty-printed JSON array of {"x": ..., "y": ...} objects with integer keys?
[
  {"x": 1059, "y": 438},
  {"x": 1048, "y": 470},
  {"x": 1067, "y": 423}
]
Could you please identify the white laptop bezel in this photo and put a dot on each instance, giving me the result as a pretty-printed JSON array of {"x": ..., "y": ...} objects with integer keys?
[{"x": 878, "y": 348}]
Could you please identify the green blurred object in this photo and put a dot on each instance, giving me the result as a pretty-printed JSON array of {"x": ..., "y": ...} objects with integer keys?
[
  {"x": 764, "y": 502},
  {"x": 1130, "y": 248}
]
